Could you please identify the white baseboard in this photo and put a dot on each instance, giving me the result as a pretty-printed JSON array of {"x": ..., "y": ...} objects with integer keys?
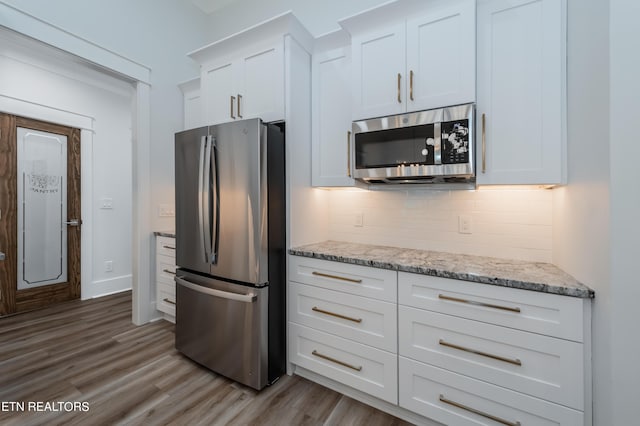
[{"x": 107, "y": 287}]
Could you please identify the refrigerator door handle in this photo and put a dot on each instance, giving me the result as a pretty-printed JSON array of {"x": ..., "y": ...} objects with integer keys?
[
  {"x": 246, "y": 298},
  {"x": 215, "y": 192},
  {"x": 203, "y": 197}
]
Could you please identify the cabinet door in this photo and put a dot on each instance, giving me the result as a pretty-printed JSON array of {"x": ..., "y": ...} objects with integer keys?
[
  {"x": 331, "y": 118},
  {"x": 441, "y": 57},
  {"x": 378, "y": 77},
  {"x": 260, "y": 84},
  {"x": 218, "y": 92},
  {"x": 193, "y": 110},
  {"x": 521, "y": 91}
]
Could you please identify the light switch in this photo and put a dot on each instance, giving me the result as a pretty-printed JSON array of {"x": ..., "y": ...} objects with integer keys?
[
  {"x": 106, "y": 203},
  {"x": 166, "y": 210}
]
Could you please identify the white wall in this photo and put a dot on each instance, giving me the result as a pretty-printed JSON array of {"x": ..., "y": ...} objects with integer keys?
[
  {"x": 43, "y": 80},
  {"x": 156, "y": 33},
  {"x": 506, "y": 223},
  {"x": 319, "y": 17},
  {"x": 625, "y": 208},
  {"x": 581, "y": 209}
]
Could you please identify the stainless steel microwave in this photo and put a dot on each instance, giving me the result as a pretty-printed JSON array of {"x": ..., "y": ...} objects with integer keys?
[{"x": 433, "y": 146}]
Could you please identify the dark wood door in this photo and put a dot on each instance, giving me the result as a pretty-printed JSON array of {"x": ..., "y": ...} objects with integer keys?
[{"x": 66, "y": 284}]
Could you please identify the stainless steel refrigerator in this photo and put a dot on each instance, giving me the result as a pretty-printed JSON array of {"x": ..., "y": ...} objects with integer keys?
[{"x": 230, "y": 249}]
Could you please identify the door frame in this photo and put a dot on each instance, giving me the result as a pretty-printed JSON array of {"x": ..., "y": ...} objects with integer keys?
[
  {"x": 36, "y": 28},
  {"x": 34, "y": 111}
]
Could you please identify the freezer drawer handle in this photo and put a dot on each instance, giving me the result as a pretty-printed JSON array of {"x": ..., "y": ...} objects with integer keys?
[
  {"x": 333, "y": 314},
  {"x": 169, "y": 301},
  {"x": 485, "y": 354},
  {"x": 335, "y": 277},
  {"x": 478, "y": 412},
  {"x": 328, "y": 358},
  {"x": 247, "y": 298},
  {"x": 471, "y": 302}
]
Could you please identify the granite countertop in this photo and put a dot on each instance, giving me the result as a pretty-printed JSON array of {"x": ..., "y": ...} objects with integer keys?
[
  {"x": 535, "y": 276},
  {"x": 170, "y": 234}
]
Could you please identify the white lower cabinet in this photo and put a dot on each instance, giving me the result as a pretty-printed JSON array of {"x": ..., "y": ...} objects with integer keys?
[
  {"x": 165, "y": 273},
  {"x": 359, "y": 366},
  {"x": 451, "y": 351},
  {"x": 454, "y": 399}
]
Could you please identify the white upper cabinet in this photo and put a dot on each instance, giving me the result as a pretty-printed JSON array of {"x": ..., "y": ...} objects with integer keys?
[
  {"x": 423, "y": 59},
  {"x": 192, "y": 104},
  {"x": 331, "y": 111},
  {"x": 378, "y": 70},
  {"x": 521, "y": 92},
  {"x": 247, "y": 86},
  {"x": 243, "y": 75}
]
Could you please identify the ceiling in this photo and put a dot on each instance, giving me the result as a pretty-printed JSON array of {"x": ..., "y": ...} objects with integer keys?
[{"x": 210, "y": 6}]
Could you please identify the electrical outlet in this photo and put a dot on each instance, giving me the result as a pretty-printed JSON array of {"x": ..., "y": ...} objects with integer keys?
[
  {"x": 166, "y": 210},
  {"x": 108, "y": 266},
  {"x": 465, "y": 224},
  {"x": 358, "y": 219}
]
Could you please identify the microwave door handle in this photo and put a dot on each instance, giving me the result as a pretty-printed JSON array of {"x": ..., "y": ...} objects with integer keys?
[{"x": 215, "y": 204}]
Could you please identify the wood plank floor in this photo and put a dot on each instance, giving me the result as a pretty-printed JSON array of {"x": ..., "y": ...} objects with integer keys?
[{"x": 89, "y": 351}]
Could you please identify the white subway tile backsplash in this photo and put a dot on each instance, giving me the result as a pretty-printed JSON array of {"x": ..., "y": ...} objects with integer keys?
[{"x": 513, "y": 223}]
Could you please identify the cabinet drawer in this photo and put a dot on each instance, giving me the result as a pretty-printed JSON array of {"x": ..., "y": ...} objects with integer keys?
[
  {"x": 166, "y": 300},
  {"x": 548, "y": 314},
  {"x": 454, "y": 399},
  {"x": 362, "y": 367},
  {"x": 166, "y": 246},
  {"x": 354, "y": 279},
  {"x": 541, "y": 366},
  {"x": 165, "y": 269},
  {"x": 356, "y": 318}
]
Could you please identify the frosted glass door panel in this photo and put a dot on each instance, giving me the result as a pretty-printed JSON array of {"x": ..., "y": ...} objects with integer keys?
[{"x": 42, "y": 208}]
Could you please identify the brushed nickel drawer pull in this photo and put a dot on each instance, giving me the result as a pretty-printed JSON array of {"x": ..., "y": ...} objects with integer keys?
[
  {"x": 349, "y": 154},
  {"x": 474, "y": 351},
  {"x": 335, "y": 277},
  {"x": 322, "y": 311},
  {"x": 169, "y": 247},
  {"x": 168, "y": 271},
  {"x": 478, "y": 412},
  {"x": 328, "y": 358},
  {"x": 169, "y": 301},
  {"x": 484, "y": 144},
  {"x": 471, "y": 302}
]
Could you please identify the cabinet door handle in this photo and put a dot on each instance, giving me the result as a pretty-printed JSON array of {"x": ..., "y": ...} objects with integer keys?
[
  {"x": 478, "y": 412},
  {"x": 349, "y": 153},
  {"x": 484, "y": 144},
  {"x": 399, "y": 97},
  {"x": 485, "y": 354},
  {"x": 328, "y": 358},
  {"x": 333, "y": 314},
  {"x": 169, "y": 301},
  {"x": 233, "y": 98},
  {"x": 169, "y": 247},
  {"x": 239, "y": 100},
  {"x": 411, "y": 85},
  {"x": 336, "y": 277},
  {"x": 472, "y": 302},
  {"x": 168, "y": 271}
]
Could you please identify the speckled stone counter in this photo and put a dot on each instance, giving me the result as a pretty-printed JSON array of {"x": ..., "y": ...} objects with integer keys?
[
  {"x": 170, "y": 234},
  {"x": 535, "y": 276}
]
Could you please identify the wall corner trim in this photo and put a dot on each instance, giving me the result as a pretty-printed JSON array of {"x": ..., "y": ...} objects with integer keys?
[{"x": 22, "y": 22}]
